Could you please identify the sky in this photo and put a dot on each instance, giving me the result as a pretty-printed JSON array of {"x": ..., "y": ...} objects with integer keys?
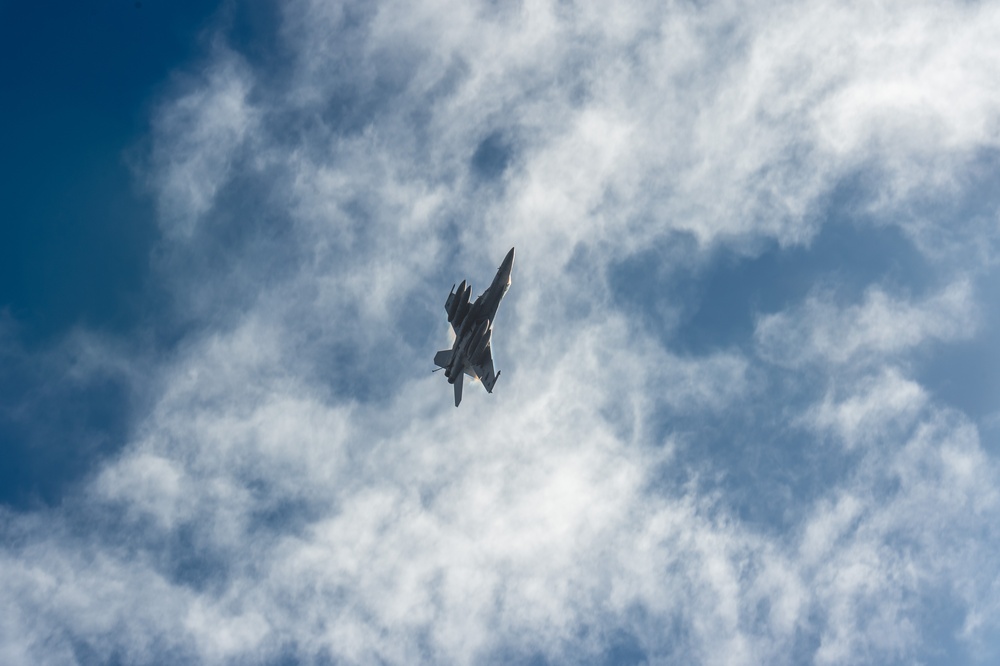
[{"x": 750, "y": 403}]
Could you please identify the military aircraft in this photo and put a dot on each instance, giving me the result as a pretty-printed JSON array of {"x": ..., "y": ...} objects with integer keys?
[{"x": 472, "y": 353}]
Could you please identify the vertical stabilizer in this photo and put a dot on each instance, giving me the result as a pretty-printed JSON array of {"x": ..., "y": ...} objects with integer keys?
[{"x": 458, "y": 388}]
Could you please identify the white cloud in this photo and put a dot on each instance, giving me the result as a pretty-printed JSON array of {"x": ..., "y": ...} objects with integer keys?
[
  {"x": 873, "y": 403},
  {"x": 206, "y": 125},
  {"x": 424, "y": 538},
  {"x": 301, "y": 484},
  {"x": 881, "y": 326},
  {"x": 894, "y": 532}
]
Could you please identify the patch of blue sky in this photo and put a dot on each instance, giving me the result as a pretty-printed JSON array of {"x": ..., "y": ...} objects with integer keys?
[
  {"x": 78, "y": 231},
  {"x": 80, "y": 82},
  {"x": 701, "y": 306},
  {"x": 56, "y": 430},
  {"x": 714, "y": 304}
]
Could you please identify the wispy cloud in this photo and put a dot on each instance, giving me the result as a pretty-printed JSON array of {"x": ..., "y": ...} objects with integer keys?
[
  {"x": 206, "y": 124},
  {"x": 880, "y": 327},
  {"x": 299, "y": 485}
]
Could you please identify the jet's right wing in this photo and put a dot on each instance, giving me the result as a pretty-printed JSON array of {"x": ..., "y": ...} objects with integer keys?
[
  {"x": 484, "y": 369},
  {"x": 458, "y": 388}
]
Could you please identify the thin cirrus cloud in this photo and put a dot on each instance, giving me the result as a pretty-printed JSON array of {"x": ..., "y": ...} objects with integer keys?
[
  {"x": 299, "y": 488},
  {"x": 878, "y": 327}
]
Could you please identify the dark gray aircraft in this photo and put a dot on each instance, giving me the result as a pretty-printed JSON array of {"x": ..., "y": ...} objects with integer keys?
[{"x": 472, "y": 353}]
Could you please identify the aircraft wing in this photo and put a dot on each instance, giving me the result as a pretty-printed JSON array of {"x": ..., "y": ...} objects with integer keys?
[
  {"x": 447, "y": 308},
  {"x": 484, "y": 369},
  {"x": 452, "y": 297}
]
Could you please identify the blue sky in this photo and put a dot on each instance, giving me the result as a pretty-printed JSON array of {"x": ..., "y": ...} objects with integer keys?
[{"x": 750, "y": 397}]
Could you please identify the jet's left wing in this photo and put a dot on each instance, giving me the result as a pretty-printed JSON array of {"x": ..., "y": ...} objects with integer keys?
[
  {"x": 484, "y": 369},
  {"x": 457, "y": 305}
]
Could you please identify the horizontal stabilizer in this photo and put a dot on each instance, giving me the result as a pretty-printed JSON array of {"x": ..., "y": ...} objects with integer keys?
[{"x": 443, "y": 358}]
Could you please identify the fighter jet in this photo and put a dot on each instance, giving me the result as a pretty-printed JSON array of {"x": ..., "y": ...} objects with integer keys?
[{"x": 472, "y": 353}]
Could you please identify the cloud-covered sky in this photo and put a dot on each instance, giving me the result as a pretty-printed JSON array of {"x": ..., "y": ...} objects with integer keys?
[{"x": 750, "y": 402}]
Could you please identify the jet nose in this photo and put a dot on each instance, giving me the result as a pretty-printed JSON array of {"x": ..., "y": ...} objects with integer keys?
[{"x": 508, "y": 261}]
